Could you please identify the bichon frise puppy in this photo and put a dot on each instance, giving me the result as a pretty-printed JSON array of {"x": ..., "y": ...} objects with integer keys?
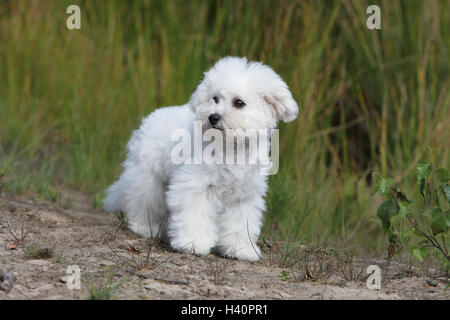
[{"x": 202, "y": 206}]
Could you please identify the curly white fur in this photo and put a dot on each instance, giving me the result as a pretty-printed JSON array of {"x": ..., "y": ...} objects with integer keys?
[{"x": 201, "y": 207}]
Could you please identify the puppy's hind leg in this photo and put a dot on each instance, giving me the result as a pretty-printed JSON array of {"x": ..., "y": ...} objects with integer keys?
[
  {"x": 142, "y": 198},
  {"x": 114, "y": 197}
]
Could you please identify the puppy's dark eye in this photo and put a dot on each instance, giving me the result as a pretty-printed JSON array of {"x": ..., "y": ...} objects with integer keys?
[
  {"x": 216, "y": 99},
  {"x": 238, "y": 103}
]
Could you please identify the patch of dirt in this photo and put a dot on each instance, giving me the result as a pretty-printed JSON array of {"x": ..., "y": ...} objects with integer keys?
[{"x": 108, "y": 254}]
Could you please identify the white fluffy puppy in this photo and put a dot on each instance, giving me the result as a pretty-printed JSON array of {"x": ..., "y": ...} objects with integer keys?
[{"x": 201, "y": 207}]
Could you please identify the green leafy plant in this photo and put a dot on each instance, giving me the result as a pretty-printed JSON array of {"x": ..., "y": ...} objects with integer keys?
[
  {"x": 284, "y": 275},
  {"x": 420, "y": 227}
]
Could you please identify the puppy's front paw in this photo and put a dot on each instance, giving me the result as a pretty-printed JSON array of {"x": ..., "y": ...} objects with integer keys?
[
  {"x": 248, "y": 253},
  {"x": 192, "y": 246}
]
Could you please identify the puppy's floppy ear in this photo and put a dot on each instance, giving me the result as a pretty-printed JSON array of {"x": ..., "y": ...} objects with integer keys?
[
  {"x": 200, "y": 93},
  {"x": 282, "y": 102},
  {"x": 277, "y": 95}
]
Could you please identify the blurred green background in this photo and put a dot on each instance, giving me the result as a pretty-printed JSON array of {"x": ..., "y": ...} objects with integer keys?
[{"x": 373, "y": 102}]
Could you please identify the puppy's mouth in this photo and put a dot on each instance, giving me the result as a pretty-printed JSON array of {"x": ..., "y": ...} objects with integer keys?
[{"x": 216, "y": 126}]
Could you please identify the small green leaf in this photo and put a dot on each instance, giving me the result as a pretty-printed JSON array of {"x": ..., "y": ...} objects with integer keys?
[
  {"x": 387, "y": 209},
  {"x": 284, "y": 275},
  {"x": 400, "y": 196},
  {"x": 385, "y": 184},
  {"x": 403, "y": 209},
  {"x": 419, "y": 253},
  {"x": 422, "y": 187},
  {"x": 446, "y": 190},
  {"x": 423, "y": 170},
  {"x": 440, "y": 221},
  {"x": 443, "y": 175}
]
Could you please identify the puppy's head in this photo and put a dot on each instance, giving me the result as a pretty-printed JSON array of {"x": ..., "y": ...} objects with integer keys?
[{"x": 237, "y": 94}]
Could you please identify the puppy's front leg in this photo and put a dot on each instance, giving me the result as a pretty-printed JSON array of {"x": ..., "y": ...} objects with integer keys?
[
  {"x": 192, "y": 226},
  {"x": 240, "y": 226}
]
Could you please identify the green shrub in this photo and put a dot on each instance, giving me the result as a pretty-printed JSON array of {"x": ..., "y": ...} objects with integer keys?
[{"x": 422, "y": 227}]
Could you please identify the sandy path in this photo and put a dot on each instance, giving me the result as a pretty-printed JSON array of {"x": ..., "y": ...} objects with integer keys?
[{"x": 108, "y": 253}]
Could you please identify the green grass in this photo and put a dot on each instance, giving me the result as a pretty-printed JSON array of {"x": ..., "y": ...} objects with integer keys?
[
  {"x": 373, "y": 102},
  {"x": 36, "y": 251},
  {"x": 103, "y": 290}
]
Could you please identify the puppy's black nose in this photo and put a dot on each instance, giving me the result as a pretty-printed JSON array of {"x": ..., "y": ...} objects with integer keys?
[{"x": 214, "y": 118}]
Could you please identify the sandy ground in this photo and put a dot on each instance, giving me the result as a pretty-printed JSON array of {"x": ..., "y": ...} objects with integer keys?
[{"x": 108, "y": 254}]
